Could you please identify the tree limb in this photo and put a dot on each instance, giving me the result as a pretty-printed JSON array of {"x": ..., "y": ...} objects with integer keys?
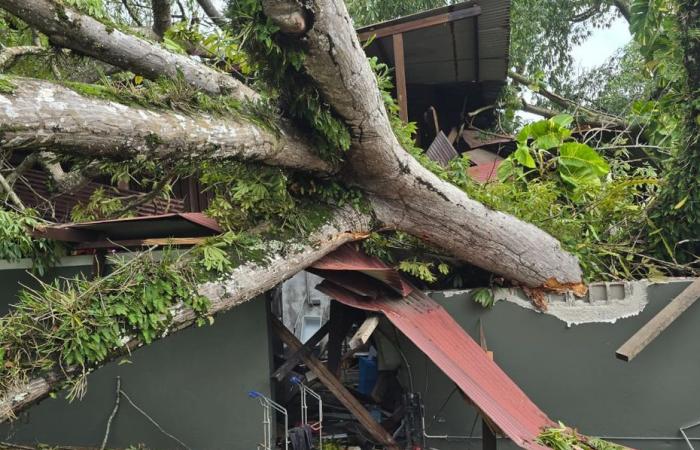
[
  {"x": 41, "y": 115},
  {"x": 162, "y": 17},
  {"x": 404, "y": 194},
  {"x": 5, "y": 186},
  {"x": 69, "y": 28},
  {"x": 623, "y": 6},
  {"x": 244, "y": 283},
  {"x": 592, "y": 116},
  {"x": 213, "y": 13},
  {"x": 132, "y": 13},
  {"x": 10, "y": 54}
]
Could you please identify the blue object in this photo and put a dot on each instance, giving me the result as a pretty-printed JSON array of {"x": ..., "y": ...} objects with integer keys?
[
  {"x": 295, "y": 380},
  {"x": 368, "y": 374},
  {"x": 254, "y": 394}
]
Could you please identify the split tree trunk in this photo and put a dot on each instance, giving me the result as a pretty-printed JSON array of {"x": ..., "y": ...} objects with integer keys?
[
  {"x": 245, "y": 283},
  {"x": 405, "y": 194}
]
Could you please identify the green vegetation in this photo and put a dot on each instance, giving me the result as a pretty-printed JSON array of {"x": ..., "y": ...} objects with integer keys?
[
  {"x": 565, "y": 438},
  {"x": 79, "y": 322},
  {"x": 16, "y": 241}
]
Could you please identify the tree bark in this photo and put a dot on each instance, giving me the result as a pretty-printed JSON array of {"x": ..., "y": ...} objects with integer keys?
[
  {"x": 244, "y": 283},
  {"x": 79, "y": 32},
  {"x": 10, "y": 54},
  {"x": 41, "y": 115},
  {"x": 213, "y": 13},
  {"x": 406, "y": 195},
  {"x": 162, "y": 17}
]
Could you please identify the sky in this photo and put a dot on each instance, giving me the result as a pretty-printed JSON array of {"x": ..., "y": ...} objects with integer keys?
[{"x": 602, "y": 44}]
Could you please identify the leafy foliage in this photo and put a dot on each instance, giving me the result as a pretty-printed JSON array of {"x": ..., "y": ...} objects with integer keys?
[
  {"x": 565, "y": 438},
  {"x": 484, "y": 297},
  {"x": 275, "y": 63},
  {"x": 79, "y": 322},
  {"x": 17, "y": 243}
]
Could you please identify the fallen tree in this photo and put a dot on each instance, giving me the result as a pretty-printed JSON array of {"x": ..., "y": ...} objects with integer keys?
[{"x": 399, "y": 192}]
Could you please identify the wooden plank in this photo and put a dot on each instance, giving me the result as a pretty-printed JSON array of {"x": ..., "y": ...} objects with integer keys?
[
  {"x": 438, "y": 19},
  {"x": 642, "y": 338},
  {"x": 364, "y": 332},
  {"x": 295, "y": 357},
  {"x": 142, "y": 242},
  {"x": 336, "y": 387},
  {"x": 400, "y": 74}
]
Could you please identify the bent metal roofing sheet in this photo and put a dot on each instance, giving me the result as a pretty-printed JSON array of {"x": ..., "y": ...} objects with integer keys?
[{"x": 437, "y": 334}]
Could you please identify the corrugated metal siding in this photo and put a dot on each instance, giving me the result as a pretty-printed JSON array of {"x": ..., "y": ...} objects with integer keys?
[{"x": 437, "y": 334}]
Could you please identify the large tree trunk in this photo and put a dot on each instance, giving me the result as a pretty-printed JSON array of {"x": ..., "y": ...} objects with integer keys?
[
  {"x": 406, "y": 195},
  {"x": 244, "y": 283},
  {"x": 68, "y": 28},
  {"x": 40, "y": 115}
]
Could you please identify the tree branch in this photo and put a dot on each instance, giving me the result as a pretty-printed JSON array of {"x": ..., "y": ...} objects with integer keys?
[
  {"x": 591, "y": 116},
  {"x": 69, "y": 28},
  {"x": 5, "y": 186},
  {"x": 623, "y": 6},
  {"x": 132, "y": 13},
  {"x": 41, "y": 115},
  {"x": 213, "y": 13},
  {"x": 10, "y": 54},
  {"x": 162, "y": 17},
  {"x": 244, "y": 283}
]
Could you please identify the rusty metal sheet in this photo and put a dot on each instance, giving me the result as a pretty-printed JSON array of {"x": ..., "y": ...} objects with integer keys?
[
  {"x": 436, "y": 333},
  {"x": 347, "y": 258},
  {"x": 484, "y": 173}
]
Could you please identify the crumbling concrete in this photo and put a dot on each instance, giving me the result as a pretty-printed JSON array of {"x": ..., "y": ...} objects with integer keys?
[{"x": 606, "y": 302}]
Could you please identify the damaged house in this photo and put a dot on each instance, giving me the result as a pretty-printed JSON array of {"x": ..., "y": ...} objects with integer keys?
[{"x": 348, "y": 351}]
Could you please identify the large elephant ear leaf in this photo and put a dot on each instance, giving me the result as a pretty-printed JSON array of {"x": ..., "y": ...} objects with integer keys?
[{"x": 580, "y": 162}]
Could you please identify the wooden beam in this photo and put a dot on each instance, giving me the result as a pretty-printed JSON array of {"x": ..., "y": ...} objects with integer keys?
[
  {"x": 295, "y": 357},
  {"x": 400, "y": 74},
  {"x": 142, "y": 242},
  {"x": 364, "y": 332},
  {"x": 336, "y": 387},
  {"x": 642, "y": 338},
  {"x": 439, "y": 19}
]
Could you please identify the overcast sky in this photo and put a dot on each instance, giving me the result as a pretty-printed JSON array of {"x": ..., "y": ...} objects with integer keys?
[{"x": 602, "y": 44}]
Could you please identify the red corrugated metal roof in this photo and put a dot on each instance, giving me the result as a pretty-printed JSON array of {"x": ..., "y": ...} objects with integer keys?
[{"x": 437, "y": 334}]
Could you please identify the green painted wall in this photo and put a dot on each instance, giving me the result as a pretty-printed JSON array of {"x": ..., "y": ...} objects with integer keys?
[
  {"x": 572, "y": 373},
  {"x": 194, "y": 384}
]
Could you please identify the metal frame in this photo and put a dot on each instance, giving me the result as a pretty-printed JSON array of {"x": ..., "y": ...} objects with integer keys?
[
  {"x": 304, "y": 390},
  {"x": 268, "y": 406}
]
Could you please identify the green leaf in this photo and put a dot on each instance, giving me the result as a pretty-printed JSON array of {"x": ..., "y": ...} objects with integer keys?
[
  {"x": 680, "y": 204},
  {"x": 579, "y": 163},
  {"x": 563, "y": 120},
  {"x": 548, "y": 141},
  {"x": 523, "y": 156}
]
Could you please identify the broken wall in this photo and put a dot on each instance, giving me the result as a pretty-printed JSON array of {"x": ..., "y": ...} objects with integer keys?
[{"x": 571, "y": 371}]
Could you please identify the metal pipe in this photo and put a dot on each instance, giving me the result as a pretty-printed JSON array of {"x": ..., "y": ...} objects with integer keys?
[
  {"x": 304, "y": 389},
  {"x": 269, "y": 404}
]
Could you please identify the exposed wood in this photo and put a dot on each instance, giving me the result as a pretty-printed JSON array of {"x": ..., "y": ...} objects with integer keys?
[
  {"x": 41, "y": 115},
  {"x": 364, "y": 332},
  {"x": 295, "y": 357},
  {"x": 642, "y": 338},
  {"x": 289, "y": 17},
  {"x": 400, "y": 74},
  {"x": 336, "y": 387},
  {"x": 244, "y": 283},
  {"x": 426, "y": 22},
  {"x": 69, "y": 28},
  {"x": 404, "y": 194}
]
